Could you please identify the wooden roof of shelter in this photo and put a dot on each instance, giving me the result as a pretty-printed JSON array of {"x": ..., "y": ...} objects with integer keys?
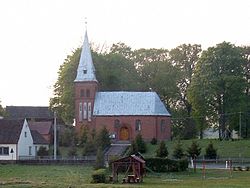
[{"x": 129, "y": 159}]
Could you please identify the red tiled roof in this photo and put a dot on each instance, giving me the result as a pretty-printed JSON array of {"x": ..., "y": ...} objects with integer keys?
[
  {"x": 42, "y": 127},
  {"x": 38, "y": 138}
]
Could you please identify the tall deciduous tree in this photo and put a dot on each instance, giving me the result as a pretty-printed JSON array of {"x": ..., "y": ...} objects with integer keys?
[
  {"x": 217, "y": 87},
  {"x": 184, "y": 58}
]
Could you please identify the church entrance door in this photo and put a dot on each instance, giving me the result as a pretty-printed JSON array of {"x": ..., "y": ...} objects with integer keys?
[{"x": 124, "y": 133}]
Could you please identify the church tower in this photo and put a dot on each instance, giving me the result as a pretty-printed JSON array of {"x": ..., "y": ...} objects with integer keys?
[{"x": 86, "y": 86}]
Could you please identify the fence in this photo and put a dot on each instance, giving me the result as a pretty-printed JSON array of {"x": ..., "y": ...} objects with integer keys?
[{"x": 47, "y": 160}]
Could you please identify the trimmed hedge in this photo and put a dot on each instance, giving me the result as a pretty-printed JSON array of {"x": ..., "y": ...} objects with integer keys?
[
  {"x": 99, "y": 176},
  {"x": 166, "y": 165}
]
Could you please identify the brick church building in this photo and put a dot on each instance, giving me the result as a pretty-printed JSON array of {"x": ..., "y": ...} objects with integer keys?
[{"x": 124, "y": 113}]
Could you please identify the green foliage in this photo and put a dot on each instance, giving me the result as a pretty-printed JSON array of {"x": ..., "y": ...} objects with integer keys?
[
  {"x": 162, "y": 150},
  {"x": 218, "y": 84},
  {"x": 178, "y": 152},
  {"x": 99, "y": 159},
  {"x": 133, "y": 148},
  {"x": 194, "y": 150},
  {"x": 166, "y": 165},
  {"x": 102, "y": 139},
  {"x": 42, "y": 151},
  {"x": 211, "y": 152},
  {"x": 72, "y": 151},
  {"x": 140, "y": 143},
  {"x": 89, "y": 148},
  {"x": 153, "y": 141},
  {"x": 67, "y": 137},
  {"x": 99, "y": 176}
]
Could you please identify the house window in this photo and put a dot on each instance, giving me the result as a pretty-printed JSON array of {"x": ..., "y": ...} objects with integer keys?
[
  {"x": 30, "y": 150},
  {"x": 25, "y": 134},
  {"x": 116, "y": 123},
  {"x": 82, "y": 93},
  {"x": 84, "y": 71},
  {"x": 163, "y": 125},
  {"x": 138, "y": 125},
  {"x": 4, "y": 150},
  {"x": 88, "y": 93}
]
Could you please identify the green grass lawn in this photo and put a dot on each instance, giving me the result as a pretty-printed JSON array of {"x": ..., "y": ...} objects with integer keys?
[
  {"x": 80, "y": 176},
  {"x": 225, "y": 149}
]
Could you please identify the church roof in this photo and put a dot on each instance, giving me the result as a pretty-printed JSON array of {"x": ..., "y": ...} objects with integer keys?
[
  {"x": 128, "y": 103},
  {"x": 86, "y": 69}
]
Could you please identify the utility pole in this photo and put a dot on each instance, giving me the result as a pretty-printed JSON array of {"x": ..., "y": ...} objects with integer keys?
[
  {"x": 54, "y": 135},
  {"x": 240, "y": 126}
]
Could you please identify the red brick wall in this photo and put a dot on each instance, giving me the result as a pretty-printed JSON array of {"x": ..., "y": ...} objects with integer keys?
[
  {"x": 150, "y": 126},
  {"x": 92, "y": 87}
]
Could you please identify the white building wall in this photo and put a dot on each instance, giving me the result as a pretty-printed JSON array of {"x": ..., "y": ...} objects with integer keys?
[
  {"x": 26, "y": 147},
  {"x": 11, "y": 156}
]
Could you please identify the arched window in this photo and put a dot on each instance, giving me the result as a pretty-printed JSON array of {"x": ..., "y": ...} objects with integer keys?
[
  {"x": 138, "y": 125},
  {"x": 163, "y": 125},
  {"x": 82, "y": 94},
  {"x": 116, "y": 123}
]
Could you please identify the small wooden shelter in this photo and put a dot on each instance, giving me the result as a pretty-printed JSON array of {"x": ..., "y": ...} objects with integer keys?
[{"x": 133, "y": 166}]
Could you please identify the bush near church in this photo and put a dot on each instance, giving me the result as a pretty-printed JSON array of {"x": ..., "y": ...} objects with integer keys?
[{"x": 166, "y": 165}]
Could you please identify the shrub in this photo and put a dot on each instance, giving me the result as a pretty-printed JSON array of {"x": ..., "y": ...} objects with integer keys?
[
  {"x": 194, "y": 150},
  {"x": 153, "y": 141},
  {"x": 178, "y": 151},
  {"x": 166, "y": 165},
  {"x": 211, "y": 152},
  {"x": 99, "y": 176},
  {"x": 42, "y": 151},
  {"x": 162, "y": 150}
]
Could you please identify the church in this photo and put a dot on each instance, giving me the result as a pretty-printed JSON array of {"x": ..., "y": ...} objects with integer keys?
[{"x": 124, "y": 113}]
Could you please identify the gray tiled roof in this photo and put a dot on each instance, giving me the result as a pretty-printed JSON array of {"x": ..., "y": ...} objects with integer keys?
[
  {"x": 10, "y": 131},
  {"x": 21, "y": 112},
  {"x": 128, "y": 103}
]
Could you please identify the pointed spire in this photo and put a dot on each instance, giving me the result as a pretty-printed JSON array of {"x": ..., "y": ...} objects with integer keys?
[{"x": 86, "y": 69}]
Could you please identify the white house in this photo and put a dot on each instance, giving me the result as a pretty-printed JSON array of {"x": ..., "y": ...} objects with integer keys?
[{"x": 17, "y": 141}]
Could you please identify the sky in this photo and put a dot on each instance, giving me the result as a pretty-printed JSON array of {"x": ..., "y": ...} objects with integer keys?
[{"x": 37, "y": 35}]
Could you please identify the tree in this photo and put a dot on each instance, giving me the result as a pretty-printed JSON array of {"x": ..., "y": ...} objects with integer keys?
[
  {"x": 102, "y": 139},
  {"x": 194, "y": 150},
  {"x": 133, "y": 148},
  {"x": 162, "y": 150},
  {"x": 216, "y": 91},
  {"x": 184, "y": 58},
  {"x": 211, "y": 152},
  {"x": 178, "y": 152},
  {"x": 99, "y": 158},
  {"x": 140, "y": 143}
]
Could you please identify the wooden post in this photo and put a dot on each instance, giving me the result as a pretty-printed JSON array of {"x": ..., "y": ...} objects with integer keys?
[{"x": 203, "y": 169}]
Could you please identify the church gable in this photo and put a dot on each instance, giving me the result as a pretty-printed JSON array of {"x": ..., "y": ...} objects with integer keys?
[{"x": 128, "y": 103}]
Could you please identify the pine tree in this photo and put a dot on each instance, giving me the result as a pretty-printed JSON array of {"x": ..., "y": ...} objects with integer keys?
[
  {"x": 211, "y": 152},
  {"x": 178, "y": 152},
  {"x": 194, "y": 150},
  {"x": 162, "y": 150}
]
